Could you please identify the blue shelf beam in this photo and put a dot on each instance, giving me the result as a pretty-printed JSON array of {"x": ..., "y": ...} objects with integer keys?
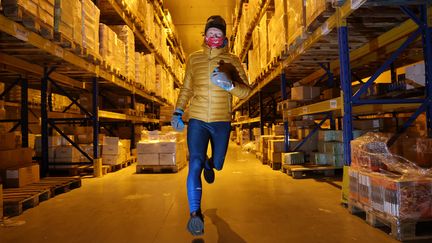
[
  {"x": 285, "y": 97},
  {"x": 427, "y": 45},
  {"x": 345, "y": 77},
  {"x": 329, "y": 74},
  {"x": 95, "y": 117},
  {"x": 315, "y": 130}
]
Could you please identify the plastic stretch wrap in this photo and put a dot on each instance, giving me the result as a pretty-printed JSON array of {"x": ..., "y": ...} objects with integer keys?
[
  {"x": 370, "y": 153},
  {"x": 313, "y": 9},
  {"x": 126, "y": 35},
  {"x": 90, "y": 25},
  {"x": 388, "y": 183}
]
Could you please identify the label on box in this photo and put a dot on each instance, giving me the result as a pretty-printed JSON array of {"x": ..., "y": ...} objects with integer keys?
[
  {"x": 333, "y": 104},
  {"x": 305, "y": 109},
  {"x": 376, "y": 123},
  {"x": 21, "y": 34},
  {"x": 12, "y": 174}
]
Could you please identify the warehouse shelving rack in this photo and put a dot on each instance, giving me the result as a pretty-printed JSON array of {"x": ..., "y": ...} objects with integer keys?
[
  {"x": 31, "y": 61},
  {"x": 325, "y": 54}
]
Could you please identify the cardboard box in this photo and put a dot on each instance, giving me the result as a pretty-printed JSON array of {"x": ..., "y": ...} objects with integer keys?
[
  {"x": 354, "y": 184},
  {"x": 9, "y": 141},
  {"x": 111, "y": 140},
  {"x": 368, "y": 125},
  {"x": 15, "y": 157},
  {"x": 148, "y": 159},
  {"x": 305, "y": 92},
  {"x": 113, "y": 159},
  {"x": 110, "y": 149},
  {"x": 167, "y": 159},
  {"x": 293, "y": 158},
  {"x": 167, "y": 147},
  {"x": 66, "y": 154},
  {"x": 22, "y": 175},
  {"x": 147, "y": 147},
  {"x": 331, "y": 93}
]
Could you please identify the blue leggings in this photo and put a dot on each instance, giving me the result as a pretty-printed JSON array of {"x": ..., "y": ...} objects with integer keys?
[{"x": 198, "y": 137}]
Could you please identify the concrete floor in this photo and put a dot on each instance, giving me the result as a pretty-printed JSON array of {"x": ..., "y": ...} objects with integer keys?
[{"x": 248, "y": 203}]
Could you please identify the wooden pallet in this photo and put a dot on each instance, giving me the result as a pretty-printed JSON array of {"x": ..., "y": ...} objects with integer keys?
[
  {"x": 142, "y": 169},
  {"x": 402, "y": 230},
  {"x": 124, "y": 164},
  {"x": 73, "y": 170},
  {"x": 17, "y": 200},
  {"x": 67, "y": 43},
  {"x": 298, "y": 171},
  {"x": 30, "y": 21},
  {"x": 90, "y": 56}
]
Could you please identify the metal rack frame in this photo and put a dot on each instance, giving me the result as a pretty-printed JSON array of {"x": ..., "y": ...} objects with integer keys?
[
  {"x": 54, "y": 76},
  {"x": 348, "y": 103}
]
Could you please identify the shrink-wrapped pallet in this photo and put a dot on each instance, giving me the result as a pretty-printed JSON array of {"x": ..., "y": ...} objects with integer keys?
[
  {"x": 90, "y": 26},
  {"x": 125, "y": 34},
  {"x": 108, "y": 40},
  {"x": 313, "y": 9}
]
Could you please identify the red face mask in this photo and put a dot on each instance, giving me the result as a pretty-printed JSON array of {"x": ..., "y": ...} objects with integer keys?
[{"x": 214, "y": 42}]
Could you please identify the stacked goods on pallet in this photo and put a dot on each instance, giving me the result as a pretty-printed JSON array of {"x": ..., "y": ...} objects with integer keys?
[
  {"x": 60, "y": 103},
  {"x": 16, "y": 167},
  {"x": 243, "y": 137},
  {"x": 293, "y": 158},
  {"x": 263, "y": 41},
  {"x": 254, "y": 57},
  {"x": 150, "y": 68},
  {"x": 162, "y": 149},
  {"x": 279, "y": 25},
  {"x": 46, "y": 12},
  {"x": 90, "y": 26},
  {"x": 68, "y": 21},
  {"x": 140, "y": 77},
  {"x": 314, "y": 8},
  {"x": 108, "y": 46},
  {"x": 59, "y": 151},
  {"x": 388, "y": 186},
  {"x": 330, "y": 149},
  {"x": 115, "y": 150},
  {"x": 125, "y": 34},
  {"x": 159, "y": 79},
  {"x": 38, "y": 15}
]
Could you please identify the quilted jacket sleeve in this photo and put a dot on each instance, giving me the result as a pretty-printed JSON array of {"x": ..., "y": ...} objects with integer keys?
[
  {"x": 241, "y": 87},
  {"x": 186, "y": 91}
]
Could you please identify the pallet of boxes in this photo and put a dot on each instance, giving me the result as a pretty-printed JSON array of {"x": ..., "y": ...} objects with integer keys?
[
  {"x": 393, "y": 191},
  {"x": 116, "y": 153},
  {"x": 16, "y": 171},
  {"x": 161, "y": 152}
]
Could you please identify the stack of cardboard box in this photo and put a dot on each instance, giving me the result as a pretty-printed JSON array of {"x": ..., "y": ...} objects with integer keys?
[
  {"x": 115, "y": 150},
  {"x": 125, "y": 34},
  {"x": 161, "y": 152},
  {"x": 16, "y": 167},
  {"x": 383, "y": 183},
  {"x": 68, "y": 21},
  {"x": 90, "y": 26}
]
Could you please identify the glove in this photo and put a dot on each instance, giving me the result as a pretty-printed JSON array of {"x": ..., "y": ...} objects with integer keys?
[
  {"x": 221, "y": 79},
  {"x": 176, "y": 120}
]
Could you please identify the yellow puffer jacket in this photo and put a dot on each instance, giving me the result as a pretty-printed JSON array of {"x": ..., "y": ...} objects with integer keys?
[{"x": 208, "y": 102}]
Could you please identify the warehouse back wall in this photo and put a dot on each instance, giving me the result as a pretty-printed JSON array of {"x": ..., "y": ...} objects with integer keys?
[{"x": 189, "y": 18}]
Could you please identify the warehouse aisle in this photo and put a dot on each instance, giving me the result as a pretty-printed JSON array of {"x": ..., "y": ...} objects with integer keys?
[{"x": 248, "y": 203}]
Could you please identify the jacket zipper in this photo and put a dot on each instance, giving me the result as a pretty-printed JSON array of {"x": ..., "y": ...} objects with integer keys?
[{"x": 209, "y": 87}]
